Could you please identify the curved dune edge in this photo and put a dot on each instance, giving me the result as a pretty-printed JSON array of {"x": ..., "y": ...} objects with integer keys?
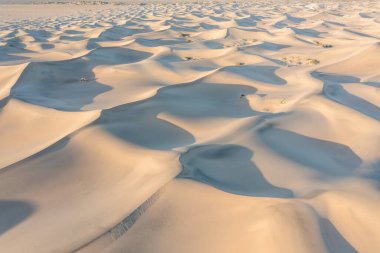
[
  {"x": 255, "y": 222},
  {"x": 190, "y": 127}
]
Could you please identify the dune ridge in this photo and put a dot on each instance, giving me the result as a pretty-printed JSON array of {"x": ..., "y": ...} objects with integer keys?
[{"x": 245, "y": 126}]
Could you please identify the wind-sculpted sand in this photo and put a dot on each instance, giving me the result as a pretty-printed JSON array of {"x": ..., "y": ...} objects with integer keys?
[{"x": 207, "y": 127}]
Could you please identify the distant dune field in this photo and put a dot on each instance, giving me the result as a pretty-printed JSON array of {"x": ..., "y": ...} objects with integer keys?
[{"x": 190, "y": 127}]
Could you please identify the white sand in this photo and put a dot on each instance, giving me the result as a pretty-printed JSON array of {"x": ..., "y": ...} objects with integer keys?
[{"x": 190, "y": 127}]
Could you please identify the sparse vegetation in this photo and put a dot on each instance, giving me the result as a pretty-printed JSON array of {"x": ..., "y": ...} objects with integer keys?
[
  {"x": 241, "y": 43},
  {"x": 313, "y": 61},
  {"x": 84, "y": 79},
  {"x": 318, "y": 43},
  {"x": 299, "y": 61},
  {"x": 240, "y": 64},
  {"x": 184, "y": 35}
]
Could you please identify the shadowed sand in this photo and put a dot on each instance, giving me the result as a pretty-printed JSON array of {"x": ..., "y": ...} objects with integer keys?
[
  {"x": 13, "y": 213},
  {"x": 229, "y": 168}
]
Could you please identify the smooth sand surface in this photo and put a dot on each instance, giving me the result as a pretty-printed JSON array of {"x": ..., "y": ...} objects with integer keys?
[{"x": 210, "y": 127}]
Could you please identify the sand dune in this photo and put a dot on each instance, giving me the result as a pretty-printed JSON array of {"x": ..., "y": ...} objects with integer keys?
[{"x": 210, "y": 127}]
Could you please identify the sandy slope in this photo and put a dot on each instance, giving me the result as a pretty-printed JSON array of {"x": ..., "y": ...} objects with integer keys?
[{"x": 190, "y": 127}]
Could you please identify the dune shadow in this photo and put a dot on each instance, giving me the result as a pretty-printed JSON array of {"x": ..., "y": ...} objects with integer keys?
[
  {"x": 73, "y": 32},
  {"x": 39, "y": 35},
  {"x": 359, "y": 33},
  {"x": 280, "y": 25},
  {"x": 150, "y": 132},
  {"x": 70, "y": 84},
  {"x": 139, "y": 123},
  {"x": 72, "y": 38},
  {"x": 12, "y": 58},
  {"x": 374, "y": 173},
  {"x": 229, "y": 168},
  {"x": 13, "y": 46},
  {"x": 294, "y": 19},
  {"x": 181, "y": 18},
  {"x": 334, "y": 23},
  {"x": 208, "y": 26},
  {"x": 213, "y": 44},
  {"x": 12, "y": 213},
  {"x": 168, "y": 60},
  {"x": 326, "y": 157},
  {"x": 333, "y": 89},
  {"x": 201, "y": 100},
  {"x": 339, "y": 94},
  {"x": 289, "y": 20},
  {"x": 265, "y": 74},
  {"x": 334, "y": 241},
  {"x": 219, "y": 19},
  {"x": 16, "y": 43},
  {"x": 328, "y": 77},
  {"x": 176, "y": 22},
  {"x": 364, "y": 15},
  {"x": 116, "y": 33},
  {"x": 116, "y": 55},
  {"x": 373, "y": 84},
  {"x": 158, "y": 42},
  {"x": 4, "y": 102},
  {"x": 246, "y": 22},
  {"x": 181, "y": 28},
  {"x": 271, "y": 46},
  {"x": 64, "y": 85},
  {"x": 306, "y": 32},
  {"x": 46, "y": 46}
]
